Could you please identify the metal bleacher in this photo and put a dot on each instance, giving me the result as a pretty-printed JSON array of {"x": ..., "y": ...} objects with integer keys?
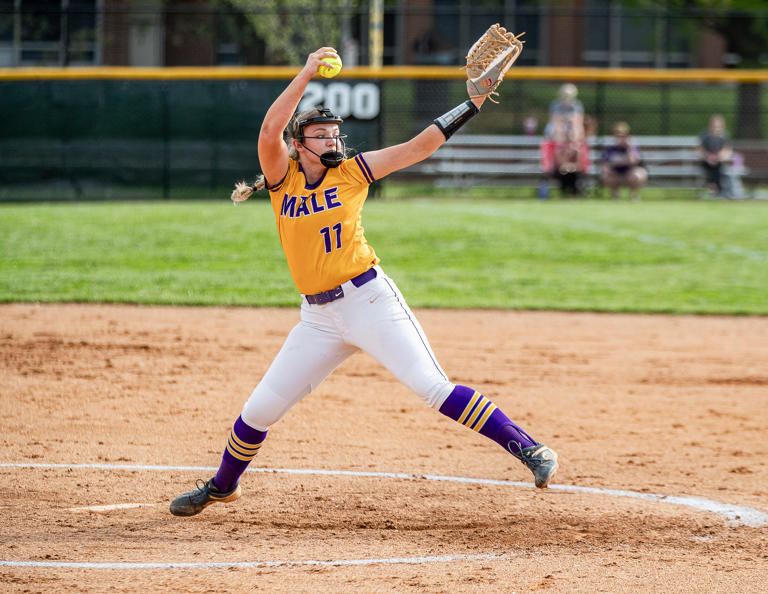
[{"x": 671, "y": 161}]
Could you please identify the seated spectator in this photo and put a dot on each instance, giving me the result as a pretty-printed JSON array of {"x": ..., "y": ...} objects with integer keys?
[
  {"x": 621, "y": 165},
  {"x": 714, "y": 149},
  {"x": 590, "y": 126},
  {"x": 566, "y": 161}
]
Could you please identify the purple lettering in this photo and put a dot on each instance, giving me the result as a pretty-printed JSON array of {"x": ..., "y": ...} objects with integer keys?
[
  {"x": 289, "y": 204},
  {"x": 330, "y": 194},
  {"x": 303, "y": 209},
  {"x": 315, "y": 206}
]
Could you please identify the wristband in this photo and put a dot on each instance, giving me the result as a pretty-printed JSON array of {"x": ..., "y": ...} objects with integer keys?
[{"x": 451, "y": 121}]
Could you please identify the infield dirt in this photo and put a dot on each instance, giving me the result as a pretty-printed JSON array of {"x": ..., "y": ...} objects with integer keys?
[{"x": 656, "y": 404}]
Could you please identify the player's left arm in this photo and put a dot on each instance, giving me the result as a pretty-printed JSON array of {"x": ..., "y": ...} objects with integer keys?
[
  {"x": 393, "y": 158},
  {"x": 487, "y": 62}
]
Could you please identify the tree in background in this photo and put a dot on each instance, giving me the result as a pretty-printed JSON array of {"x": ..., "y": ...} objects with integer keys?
[
  {"x": 291, "y": 29},
  {"x": 743, "y": 25}
]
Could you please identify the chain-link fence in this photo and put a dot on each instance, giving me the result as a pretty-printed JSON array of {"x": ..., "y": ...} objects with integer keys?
[
  {"x": 650, "y": 107},
  {"x": 127, "y": 138}
]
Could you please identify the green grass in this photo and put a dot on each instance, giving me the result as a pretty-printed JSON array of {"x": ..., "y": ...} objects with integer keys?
[{"x": 653, "y": 256}]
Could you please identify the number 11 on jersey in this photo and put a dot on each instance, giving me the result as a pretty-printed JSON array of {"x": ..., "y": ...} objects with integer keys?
[{"x": 326, "y": 233}]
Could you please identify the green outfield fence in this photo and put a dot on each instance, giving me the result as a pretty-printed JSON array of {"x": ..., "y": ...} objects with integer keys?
[{"x": 190, "y": 132}]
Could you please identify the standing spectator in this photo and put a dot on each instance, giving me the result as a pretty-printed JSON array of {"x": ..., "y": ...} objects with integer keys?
[
  {"x": 566, "y": 115},
  {"x": 622, "y": 164},
  {"x": 564, "y": 150},
  {"x": 714, "y": 149}
]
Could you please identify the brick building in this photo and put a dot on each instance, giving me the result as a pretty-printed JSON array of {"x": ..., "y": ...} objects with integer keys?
[{"x": 202, "y": 32}]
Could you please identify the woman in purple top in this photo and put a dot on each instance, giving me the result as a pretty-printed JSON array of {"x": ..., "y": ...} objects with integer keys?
[{"x": 622, "y": 164}]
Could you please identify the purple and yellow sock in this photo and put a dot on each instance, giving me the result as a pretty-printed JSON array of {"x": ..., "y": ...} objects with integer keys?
[
  {"x": 243, "y": 445},
  {"x": 472, "y": 409}
]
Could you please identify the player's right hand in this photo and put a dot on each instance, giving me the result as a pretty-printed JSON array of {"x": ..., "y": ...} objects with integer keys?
[{"x": 313, "y": 60}]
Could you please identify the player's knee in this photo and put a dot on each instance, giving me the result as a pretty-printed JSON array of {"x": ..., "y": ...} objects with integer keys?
[
  {"x": 264, "y": 408},
  {"x": 435, "y": 392}
]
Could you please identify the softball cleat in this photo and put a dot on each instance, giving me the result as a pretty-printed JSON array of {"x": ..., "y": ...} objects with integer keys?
[
  {"x": 195, "y": 501},
  {"x": 541, "y": 461}
]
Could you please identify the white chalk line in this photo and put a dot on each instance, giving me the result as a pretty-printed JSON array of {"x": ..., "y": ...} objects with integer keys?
[
  {"x": 255, "y": 564},
  {"x": 105, "y": 508},
  {"x": 735, "y": 515}
]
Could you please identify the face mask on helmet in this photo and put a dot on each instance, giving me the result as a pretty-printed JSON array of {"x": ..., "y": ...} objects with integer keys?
[{"x": 330, "y": 159}]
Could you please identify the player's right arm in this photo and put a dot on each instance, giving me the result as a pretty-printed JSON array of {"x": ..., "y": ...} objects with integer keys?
[{"x": 273, "y": 152}]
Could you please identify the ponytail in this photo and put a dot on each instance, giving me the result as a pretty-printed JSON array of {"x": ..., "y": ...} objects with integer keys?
[{"x": 243, "y": 191}]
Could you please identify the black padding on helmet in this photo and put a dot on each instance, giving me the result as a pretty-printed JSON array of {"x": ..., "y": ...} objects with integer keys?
[{"x": 326, "y": 115}]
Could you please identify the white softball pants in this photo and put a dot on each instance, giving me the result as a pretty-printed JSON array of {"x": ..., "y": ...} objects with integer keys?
[{"x": 374, "y": 318}]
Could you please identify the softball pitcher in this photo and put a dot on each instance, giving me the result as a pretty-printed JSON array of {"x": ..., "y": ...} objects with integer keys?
[{"x": 349, "y": 303}]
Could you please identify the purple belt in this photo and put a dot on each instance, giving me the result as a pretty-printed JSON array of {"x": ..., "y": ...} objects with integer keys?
[{"x": 338, "y": 292}]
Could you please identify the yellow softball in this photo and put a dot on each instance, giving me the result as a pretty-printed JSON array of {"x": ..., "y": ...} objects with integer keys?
[{"x": 330, "y": 67}]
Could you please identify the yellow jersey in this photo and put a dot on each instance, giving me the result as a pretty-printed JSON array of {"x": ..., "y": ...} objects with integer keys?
[{"x": 320, "y": 224}]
